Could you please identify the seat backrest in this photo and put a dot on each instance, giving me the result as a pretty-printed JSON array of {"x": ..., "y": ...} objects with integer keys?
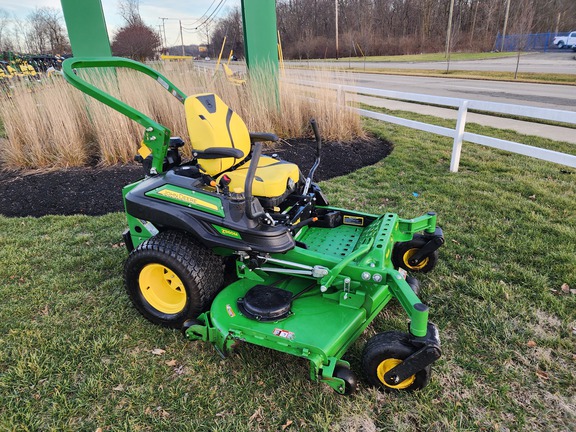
[{"x": 211, "y": 123}]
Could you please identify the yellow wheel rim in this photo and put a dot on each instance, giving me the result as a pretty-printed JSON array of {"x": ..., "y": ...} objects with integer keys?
[
  {"x": 408, "y": 254},
  {"x": 162, "y": 288},
  {"x": 387, "y": 365}
]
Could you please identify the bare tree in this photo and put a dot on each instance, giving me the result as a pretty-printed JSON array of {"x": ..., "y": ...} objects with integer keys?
[
  {"x": 57, "y": 39},
  {"x": 46, "y": 32},
  {"x": 307, "y": 27},
  {"x": 231, "y": 28},
  {"x": 130, "y": 11},
  {"x": 10, "y": 33},
  {"x": 4, "y": 21},
  {"x": 523, "y": 24},
  {"x": 36, "y": 37}
]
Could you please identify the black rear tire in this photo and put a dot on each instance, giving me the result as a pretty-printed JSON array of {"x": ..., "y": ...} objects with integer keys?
[
  {"x": 171, "y": 278},
  {"x": 384, "y": 351}
]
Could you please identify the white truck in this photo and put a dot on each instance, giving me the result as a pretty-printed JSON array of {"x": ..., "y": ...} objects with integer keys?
[{"x": 566, "y": 41}]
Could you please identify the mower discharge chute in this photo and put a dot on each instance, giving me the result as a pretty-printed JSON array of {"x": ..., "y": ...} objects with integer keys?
[{"x": 238, "y": 246}]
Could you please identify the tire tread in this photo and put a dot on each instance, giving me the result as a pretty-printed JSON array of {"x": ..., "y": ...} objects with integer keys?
[{"x": 200, "y": 265}]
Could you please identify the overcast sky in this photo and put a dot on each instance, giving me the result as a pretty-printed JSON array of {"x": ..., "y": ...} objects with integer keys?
[{"x": 192, "y": 13}]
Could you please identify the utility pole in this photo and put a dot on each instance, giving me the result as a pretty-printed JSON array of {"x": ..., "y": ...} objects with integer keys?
[
  {"x": 336, "y": 11},
  {"x": 160, "y": 33},
  {"x": 181, "y": 37},
  {"x": 208, "y": 41},
  {"x": 164, "y": 31},
  {"x": 505, "y": 25}
]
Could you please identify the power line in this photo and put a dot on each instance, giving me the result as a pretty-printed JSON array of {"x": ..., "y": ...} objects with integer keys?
[
  {"x": 164, "y": 30},
  {"x": 176, "y": 41},
  {"x": 196, "y": 19},
  {"x": 222, "y": 2},
  {"x": 206, "y": 21},
  {"x": 192, "y": 31},
  {"x": 205, "y": 13}
]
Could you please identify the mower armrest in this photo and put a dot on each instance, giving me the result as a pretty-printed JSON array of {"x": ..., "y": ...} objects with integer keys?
[
  {"x": 263, "y": 136},
  {"x": 218, "y": 152}
]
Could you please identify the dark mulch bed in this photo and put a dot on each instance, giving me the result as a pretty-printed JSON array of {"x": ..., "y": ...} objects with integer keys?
[{"x": 97, "y": 191}]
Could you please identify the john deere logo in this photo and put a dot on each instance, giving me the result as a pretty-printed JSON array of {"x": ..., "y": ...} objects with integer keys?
[
  {"x": 189, "y": 198},
  {"x": 186, "y": 198},
  {"x": 227, "y": 232}
]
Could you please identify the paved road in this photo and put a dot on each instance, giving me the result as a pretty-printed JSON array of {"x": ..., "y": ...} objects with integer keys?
[
  {"x": 542, "y": 95},
  {"x": 555, "y": 61},
  {"x": 552, "y": 96}
]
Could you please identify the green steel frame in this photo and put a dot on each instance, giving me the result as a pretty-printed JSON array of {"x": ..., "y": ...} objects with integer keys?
[
  {"x": 156, "y": 136},
  {"x": 86, "y": 28}
]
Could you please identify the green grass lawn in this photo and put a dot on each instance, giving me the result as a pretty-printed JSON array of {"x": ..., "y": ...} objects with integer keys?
[
  {"x": 428, "y": 57},
  {"x": 75, "y": 355}
]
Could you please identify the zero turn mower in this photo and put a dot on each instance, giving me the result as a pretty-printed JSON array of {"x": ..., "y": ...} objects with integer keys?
[{"x": 237, "y": 246}]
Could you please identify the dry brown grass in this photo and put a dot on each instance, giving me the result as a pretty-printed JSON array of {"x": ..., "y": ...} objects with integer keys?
[
  {"x": 45, "y": 126},
  {"x": 51, "y": 124}
]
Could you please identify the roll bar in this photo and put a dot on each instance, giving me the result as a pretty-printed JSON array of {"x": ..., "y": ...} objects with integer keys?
[{"x": 156, "y": 136}]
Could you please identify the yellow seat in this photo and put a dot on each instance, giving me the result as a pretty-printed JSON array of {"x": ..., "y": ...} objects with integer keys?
[
  {"x": 271, "y": 180},
  {"x": 213, "y": 126},
  {"x": 231, "y": 76}
]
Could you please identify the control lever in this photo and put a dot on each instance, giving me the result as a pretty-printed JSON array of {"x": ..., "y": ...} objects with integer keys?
[
  {"x": 317, "y": 161},
  {"x": 253, "y": 210}
]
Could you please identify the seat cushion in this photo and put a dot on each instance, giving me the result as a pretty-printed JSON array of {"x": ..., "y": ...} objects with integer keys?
[{"x": 271, "y": 179}]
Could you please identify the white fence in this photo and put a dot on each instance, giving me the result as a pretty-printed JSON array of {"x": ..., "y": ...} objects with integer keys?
[{"x": 458, "y": 134}]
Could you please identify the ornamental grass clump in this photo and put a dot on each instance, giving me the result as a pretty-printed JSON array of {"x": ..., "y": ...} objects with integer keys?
[
  {"x": 50, "y": 124},
  {"x": 45, "y": 126}
]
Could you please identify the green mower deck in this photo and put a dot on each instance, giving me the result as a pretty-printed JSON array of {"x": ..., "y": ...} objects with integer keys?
[{"x": 329, "y": 312}]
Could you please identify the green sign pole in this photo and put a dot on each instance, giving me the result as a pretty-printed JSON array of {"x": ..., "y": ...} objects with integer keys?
[
  {"x": 260, "y": 33},
  {"x": 86, "y": 28},
  {"x": 261, "y": 45}
]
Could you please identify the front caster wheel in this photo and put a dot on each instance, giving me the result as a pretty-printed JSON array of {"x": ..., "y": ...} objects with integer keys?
[
  {"x": 403, "y": 251},
  {"x": 170, "y": 278},
  {"x": 187, "y": 324},
  {"x": 350, "y": 381},
  {"x": 383, "y": 352}
]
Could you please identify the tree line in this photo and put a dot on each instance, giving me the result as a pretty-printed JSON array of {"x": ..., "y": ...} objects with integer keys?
[
  {"x": 308, "y": 27},
  {"x": 388, "y": 27},
  {"x": 42, "y": 32}
]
